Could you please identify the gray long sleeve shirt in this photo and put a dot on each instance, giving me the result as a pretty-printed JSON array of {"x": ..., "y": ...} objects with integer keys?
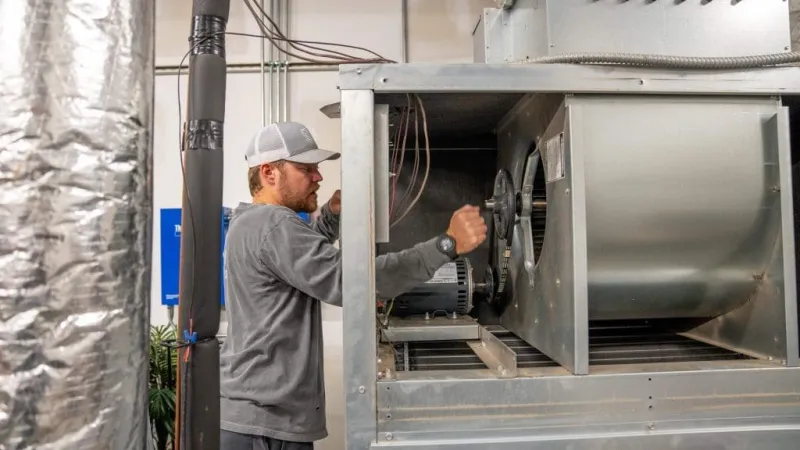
[{"x": 277, "y": 270}]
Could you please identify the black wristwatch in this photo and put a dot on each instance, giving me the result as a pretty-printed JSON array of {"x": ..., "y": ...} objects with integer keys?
[{"x": 447, "y": 245}]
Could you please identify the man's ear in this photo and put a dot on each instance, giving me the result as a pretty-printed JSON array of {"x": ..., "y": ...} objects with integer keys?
[{"x": 269, "y": 174}]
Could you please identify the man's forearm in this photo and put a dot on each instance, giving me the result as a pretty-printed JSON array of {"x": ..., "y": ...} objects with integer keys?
[
  {"x": 327, "y": 223},
  {"x": 397, "y": 273}
]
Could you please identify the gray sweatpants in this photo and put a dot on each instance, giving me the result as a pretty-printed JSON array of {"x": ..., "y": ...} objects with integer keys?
[{"x": 235, "y": 441}]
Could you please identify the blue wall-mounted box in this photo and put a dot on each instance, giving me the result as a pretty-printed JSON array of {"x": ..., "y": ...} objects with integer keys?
[{"x": 171, "y": 254}]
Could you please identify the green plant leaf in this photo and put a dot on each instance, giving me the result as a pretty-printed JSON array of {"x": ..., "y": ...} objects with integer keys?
[{"x": 161, "y": 393}]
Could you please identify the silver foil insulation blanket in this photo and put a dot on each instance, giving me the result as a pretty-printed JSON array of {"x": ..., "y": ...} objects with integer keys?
[{"x": 76, "y": 90}]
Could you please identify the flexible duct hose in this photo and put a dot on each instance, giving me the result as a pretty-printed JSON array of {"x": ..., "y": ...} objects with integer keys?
[{"x": 670, "y": 62}]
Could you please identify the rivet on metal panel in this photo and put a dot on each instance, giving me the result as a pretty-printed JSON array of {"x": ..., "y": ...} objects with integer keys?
[
  {"x": 384, "y": 80},
  {"x": 389, "y": 436},
  {"x": 641, "y": 81},
  {"x": 362, "y": 389},
  {"x": 566, "y": 191},
  {"x": 380, "y": 375},
  {"x": 651, "y": 426},
  {"x": 358, "y": 71}
]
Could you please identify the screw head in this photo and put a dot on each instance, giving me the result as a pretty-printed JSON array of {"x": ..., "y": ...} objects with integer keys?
[
  {"x": 389, "y": 436},
  {"x": 362, "y": 389}
]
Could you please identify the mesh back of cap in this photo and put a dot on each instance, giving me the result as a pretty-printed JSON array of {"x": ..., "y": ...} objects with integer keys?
[{"x": 270, "y": 140}]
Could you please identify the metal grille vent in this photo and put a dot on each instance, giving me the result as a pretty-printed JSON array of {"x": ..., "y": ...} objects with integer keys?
[{"x": 608, "y": 344}]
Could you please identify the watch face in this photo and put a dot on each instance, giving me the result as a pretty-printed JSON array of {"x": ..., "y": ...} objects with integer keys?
[{"x": 446, "y": 244}]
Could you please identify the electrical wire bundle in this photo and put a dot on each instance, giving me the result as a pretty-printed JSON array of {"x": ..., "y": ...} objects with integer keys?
[
  {"x": 309, "y": 51},
  {"x": 396, "y": 210}
]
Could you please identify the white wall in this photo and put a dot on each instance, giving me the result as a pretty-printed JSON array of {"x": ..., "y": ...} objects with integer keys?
[{"x": 438, "y": 31}]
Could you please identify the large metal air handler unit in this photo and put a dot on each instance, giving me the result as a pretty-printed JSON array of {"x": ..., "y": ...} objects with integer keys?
[{"x": 638, "y": 288}]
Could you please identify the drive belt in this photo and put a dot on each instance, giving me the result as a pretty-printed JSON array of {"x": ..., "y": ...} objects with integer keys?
[{"x": 503, "y": 273}]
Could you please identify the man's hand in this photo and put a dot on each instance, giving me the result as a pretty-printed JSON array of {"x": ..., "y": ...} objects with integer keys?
[
  {"x": 335, "y": 203},
  {"x": 468, "y": 229}
]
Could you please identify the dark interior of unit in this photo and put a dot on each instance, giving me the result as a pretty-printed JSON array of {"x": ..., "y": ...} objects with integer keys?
[
  {"x": 463, "y": 164},
  {"x": 630, "y": 342}
]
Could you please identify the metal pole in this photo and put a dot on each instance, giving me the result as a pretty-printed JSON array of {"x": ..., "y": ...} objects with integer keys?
[{"x": 201, "y": 229}]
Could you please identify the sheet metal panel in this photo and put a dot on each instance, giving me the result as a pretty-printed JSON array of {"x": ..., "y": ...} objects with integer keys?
[
  {"x": 667, "y": 399},
  {"x": 358, "y": 258},
  {"x": 700, "y": 28},
  {"x": 565, "y": 78}
]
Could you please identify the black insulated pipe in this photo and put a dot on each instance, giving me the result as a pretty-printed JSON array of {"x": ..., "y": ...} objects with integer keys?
[{"x": 201, "y": 228}]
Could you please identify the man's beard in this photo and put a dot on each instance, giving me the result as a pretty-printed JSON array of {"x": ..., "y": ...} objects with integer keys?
[{"x": 298, "y": 202}]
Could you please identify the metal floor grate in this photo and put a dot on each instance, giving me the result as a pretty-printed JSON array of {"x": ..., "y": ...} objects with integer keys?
[{"x": 608, "y": 344}]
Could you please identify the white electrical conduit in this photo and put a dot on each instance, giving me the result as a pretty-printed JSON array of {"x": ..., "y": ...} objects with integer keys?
[
  {"x": 263, "y": 93},
  {"x": 285, "y": 105},
  {"x": 272, "y": 117},
  {"x": 275, "y": 101},
  {"x": 278, "y": 80}
]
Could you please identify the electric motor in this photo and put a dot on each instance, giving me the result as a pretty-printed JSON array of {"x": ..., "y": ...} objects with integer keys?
[{"x": 449, "y": 290}]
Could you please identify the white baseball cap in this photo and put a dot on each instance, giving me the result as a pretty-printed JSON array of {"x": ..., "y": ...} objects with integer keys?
[{"x": 290, "y": 141}]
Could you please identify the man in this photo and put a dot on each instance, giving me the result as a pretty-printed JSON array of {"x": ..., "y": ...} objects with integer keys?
[{"x": 277, "y": 271}]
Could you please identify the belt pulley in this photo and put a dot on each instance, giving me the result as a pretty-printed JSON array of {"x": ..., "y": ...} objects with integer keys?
[{"x": 504, "y": 208}]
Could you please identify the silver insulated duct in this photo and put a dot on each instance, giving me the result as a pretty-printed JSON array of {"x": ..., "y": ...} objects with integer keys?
[{"x": 76, "y": 95}]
